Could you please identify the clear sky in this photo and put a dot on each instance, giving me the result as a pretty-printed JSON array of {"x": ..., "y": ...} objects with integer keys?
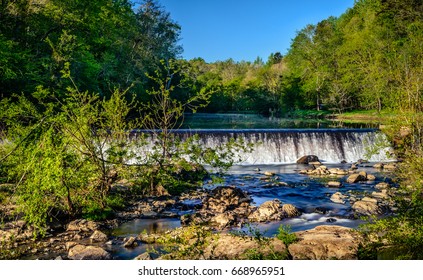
[{"x": 245, "y": 29}]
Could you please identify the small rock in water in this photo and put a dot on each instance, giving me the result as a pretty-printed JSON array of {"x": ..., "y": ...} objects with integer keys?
[
  {"x": 371, "y": 177},
  {"x": 331, "y": 220},
  {"x": 268, "y": 173},
  {"x": 131, "y": 242},
  {"x": 338, "y": 198},
  {"x": 320, "y": 210},
  {"x": 378, "y": 165},
  {"x": 334, "y": 184}
]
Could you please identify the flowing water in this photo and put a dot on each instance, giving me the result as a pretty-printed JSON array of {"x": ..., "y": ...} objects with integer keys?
[{"x": 276, "y": 150}]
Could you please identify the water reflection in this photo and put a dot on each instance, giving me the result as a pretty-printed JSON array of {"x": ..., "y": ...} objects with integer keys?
[
  {"x": 250, "y": 121},
  {"x": 137, "y": 226}
]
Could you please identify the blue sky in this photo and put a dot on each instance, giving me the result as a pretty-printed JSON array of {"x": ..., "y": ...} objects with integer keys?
[{"x": 245, "y": 29}]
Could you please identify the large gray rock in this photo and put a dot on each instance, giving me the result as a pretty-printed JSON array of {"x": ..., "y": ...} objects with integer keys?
[
  {"x": 82, "y": 252},
  {"x": 326, "y": 243},
  {"x": 307, "y": 159}
]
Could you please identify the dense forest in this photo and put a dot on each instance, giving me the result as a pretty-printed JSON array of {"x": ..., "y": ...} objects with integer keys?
[
  {"x": 76, "y": 75},
  {"x": 368, "y": 58}
]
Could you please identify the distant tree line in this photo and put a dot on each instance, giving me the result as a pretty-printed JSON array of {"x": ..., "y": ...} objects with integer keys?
[
  {"x": 368, "y": 58},
  {"x": 371, "y": 57}
]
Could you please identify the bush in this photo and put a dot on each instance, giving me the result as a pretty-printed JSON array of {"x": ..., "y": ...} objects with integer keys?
[{"x": 285, "y": 235}]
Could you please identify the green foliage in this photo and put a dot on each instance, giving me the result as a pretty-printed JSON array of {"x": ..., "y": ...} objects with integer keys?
[
  {"x": 367, "y": 58},
  {"x": 187, "y": 243},
  {"x": 285, "y": 235},
  {"x": 266, "y": 251},
  {"x": 108, "y": 43},
  {"x": 401, "y": 236},
  {"x": 65, "y": 154}
]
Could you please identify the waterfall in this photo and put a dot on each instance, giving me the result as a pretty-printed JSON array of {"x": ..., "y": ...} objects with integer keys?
[{"x": 281, "y": 146}]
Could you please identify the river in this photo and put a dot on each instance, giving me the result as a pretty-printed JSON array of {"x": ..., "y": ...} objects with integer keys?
[{"x": 278, "y": 145}]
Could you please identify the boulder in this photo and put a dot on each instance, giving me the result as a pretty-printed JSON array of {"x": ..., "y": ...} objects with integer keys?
[
  {"x": 98, "y": 236},
  {"x": 130, "y": 242},
  {"x": 148, "y": 238},
  {"x": 334, "y": 184},
  {"x": 144, "y": 257},
  {"x": 307, "y": 159},
  {"x": 356, "y": 177},
  {"x": 231, "y": 247},
  {"x": 82, "y": 252},
  {"x": 268, "y": 211},
  {"x": 371, "y": 177},
  {"x": 338, "y": 171},
  {"x": 326, "y": 243},
  {"x": 82, "y": 225},
  {"x": 381, "y": 195},
  {"x": 378, "y": 165},
  {"x": 273, "y": 210},
  {"x": 320, "y": 170},
  {"x": 290, "y": 210},
  {"x": 367, "y": 206},
  {"x": 223, "y": 199},
  {"x": 382, "y": 185},
  {"x": 338, "y": 198},
  {"x": 342, "y": 172},
  {"x": 223, "y": 220},
  {"x": 390, "y": 166}
]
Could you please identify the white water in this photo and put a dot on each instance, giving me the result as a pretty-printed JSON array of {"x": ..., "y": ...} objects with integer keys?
[{"x": 283, "y": 146}]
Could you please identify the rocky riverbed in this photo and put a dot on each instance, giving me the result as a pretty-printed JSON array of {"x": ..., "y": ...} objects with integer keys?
[{"x": 222, "y": 212}]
